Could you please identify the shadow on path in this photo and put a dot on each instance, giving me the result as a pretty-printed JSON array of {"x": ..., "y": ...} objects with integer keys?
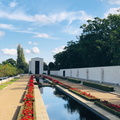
[{"x": 18, "y": 107}]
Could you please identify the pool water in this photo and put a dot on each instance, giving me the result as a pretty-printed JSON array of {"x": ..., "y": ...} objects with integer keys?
[{"x": 61, "y": 107}]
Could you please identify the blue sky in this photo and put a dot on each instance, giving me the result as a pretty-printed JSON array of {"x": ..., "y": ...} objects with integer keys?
[{"x": 43, "y": 27}]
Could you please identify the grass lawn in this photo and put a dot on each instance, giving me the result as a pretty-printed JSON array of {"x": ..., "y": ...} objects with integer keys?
[
  {"x": 7, "y": 83},
  {"x": 3, "y": 86}
]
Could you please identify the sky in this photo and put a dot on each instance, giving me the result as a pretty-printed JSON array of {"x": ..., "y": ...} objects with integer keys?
[{"x": 43, "y": 27}]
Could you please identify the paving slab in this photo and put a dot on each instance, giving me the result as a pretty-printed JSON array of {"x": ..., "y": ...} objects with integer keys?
[{"x": 11, "y": 99}]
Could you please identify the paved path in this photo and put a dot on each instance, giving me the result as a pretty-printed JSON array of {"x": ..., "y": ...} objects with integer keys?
[
  {"x": 113, "y": 98},
  {"x": 11, "y": 98}
]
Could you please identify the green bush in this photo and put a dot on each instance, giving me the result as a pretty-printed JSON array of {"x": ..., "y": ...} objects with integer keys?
[
  {"x": 84, "y": 96},
  {"x": 61, "y": 77},
  {"x": 74, "y": 80},
  {"x": 98, "y": 103},
  {"x": 99, "y": 86},
  {"x": 8, "y": 70}
]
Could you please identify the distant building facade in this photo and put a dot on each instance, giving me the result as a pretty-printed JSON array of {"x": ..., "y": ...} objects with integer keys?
[{"x": 36, "y": 65}]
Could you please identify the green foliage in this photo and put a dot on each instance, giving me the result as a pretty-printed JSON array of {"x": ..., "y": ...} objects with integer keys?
[
  {"x": 98, "y": 45},
  {"x": 11, "y": 68},
  {"x": 74, "y": 80},
  {"x": 2, "y": 86},
  {"x": 99, "y": 86},
  {"x": 7, "y": 83},
  {"x": 8, "y": 70},
  {"x": 51, "y": 66},
  {"x": 45, "y": 67},
  {"x": 21, "y": 64},
  {"x": 61, "y": 77},
  {"x": 10, "y": 61},
  {"x": 100, "y": 104}
]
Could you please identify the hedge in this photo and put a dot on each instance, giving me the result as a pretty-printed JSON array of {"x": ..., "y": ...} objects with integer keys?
[
  {"x": 61, "y": 77},
  {"x": 74, "y": 80},
  {"x": 99, "y": 86},
  {"x": 98, "y": 103}
]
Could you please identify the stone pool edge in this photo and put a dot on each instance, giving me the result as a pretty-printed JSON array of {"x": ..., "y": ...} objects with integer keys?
[
  {"x": 90, "y": 105},
  {"x": 40, "y": 109}
]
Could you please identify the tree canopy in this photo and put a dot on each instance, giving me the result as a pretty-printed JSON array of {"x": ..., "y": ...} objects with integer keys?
[
  {"x": 98, "y": 45},
  {"x": 10, "y": 67},
  {"x": 10, "y": 61},
  {"x": 8, "y": 70},
  {"x": 21, "y": 64}
]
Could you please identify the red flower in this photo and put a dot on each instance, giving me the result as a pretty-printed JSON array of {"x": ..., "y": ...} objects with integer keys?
[
  {"x": 27, "y": 113},
  {"x": 112, "y": 106}
]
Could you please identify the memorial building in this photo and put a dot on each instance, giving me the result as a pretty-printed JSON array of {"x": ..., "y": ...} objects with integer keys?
[{"x": 36, "y": 65}]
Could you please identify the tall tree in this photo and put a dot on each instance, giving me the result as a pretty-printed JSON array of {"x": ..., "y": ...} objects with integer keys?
[
  {"x": 98, "y": 45},
  {"x": 21, "y": 64},
  {"x": 45, "y": 67},
  {"x": 51, "y": 66}
]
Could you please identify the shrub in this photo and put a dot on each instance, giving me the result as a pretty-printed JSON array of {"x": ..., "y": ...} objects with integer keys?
[
  {"x": 61, "y": 77},
  {"x": 112, "y": 108},
  {"x": 99, "y": 86},
  {"x": 83, "y": 94},
  {"x": 74, "y": 80}
]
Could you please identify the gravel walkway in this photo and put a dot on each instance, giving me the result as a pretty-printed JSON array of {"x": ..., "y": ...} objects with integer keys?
[{"x": 11, "y": 99}]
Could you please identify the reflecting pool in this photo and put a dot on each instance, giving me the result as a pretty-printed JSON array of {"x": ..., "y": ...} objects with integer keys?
[{"x": 61, "y": 107}]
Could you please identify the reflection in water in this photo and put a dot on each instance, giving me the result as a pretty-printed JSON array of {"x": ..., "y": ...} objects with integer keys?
[{"x": 61, "y": 107}]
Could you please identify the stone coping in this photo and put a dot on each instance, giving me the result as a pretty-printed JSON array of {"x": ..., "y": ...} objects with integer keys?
[
  {"x": 90, "y": 105},
  {"x": 41, "y": 113}
]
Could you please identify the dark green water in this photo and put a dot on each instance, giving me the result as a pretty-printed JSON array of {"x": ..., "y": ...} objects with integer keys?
[{"x": 61, "y": 107}]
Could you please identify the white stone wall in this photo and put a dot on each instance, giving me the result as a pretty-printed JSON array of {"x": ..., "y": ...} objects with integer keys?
[
  {"x": 110, "y": 74},
  {"x": 6, "y": 80},
  {"x": 54, "y": 72},
  {"x": 32, "y": 65}
]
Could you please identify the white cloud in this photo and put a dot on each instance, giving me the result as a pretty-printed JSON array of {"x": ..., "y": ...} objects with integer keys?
[
  {"x": 2, "y": 33},
  {"x": 72, "y": 30},
  {"x": 42, "y": 19},
  {"x": 6, "y": 26},
  {"x": 11, "y": 27},
  {"x": 57, "y": 50},
  {"x": 16, "y": 15},
  {"x": 35, "y": 50},
  {"x": 27, "y": 51},
  {"x": 25, "y": 31},
  {"x": 34, "y": 43},
  {"x": 13, "y": 4},
  {"x": 27, "y": 60},
  {"x": 112, "y": 11},
  {"x": 59, "y": 17},
  {"x": 30, "y": 42},
  {"x": 46, "y": 19},
  {"x": 7, "y": 51},
  {"x": 42, "y": 35},
  {"x": 114, "y": 2}
]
